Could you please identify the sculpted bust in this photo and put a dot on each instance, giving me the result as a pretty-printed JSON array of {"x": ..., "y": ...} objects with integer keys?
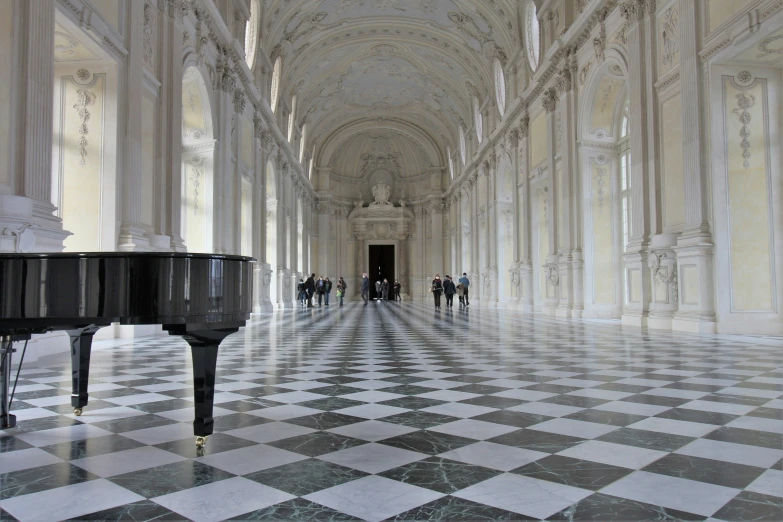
[{"x": 381, "y": 193}]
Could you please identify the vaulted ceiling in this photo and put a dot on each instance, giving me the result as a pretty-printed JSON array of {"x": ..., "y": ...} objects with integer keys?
[{"x": 416, "y": 63}]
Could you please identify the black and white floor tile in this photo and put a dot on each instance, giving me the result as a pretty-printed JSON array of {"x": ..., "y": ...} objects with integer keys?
[{"x": 399, "y": 412}]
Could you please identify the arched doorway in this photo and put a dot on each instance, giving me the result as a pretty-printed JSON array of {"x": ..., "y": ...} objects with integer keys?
[
  {"x": 271, "y": 230},
  {"x": 504, "y": 229},
  {"x": 198, "y": 147},
  {"x": 606, "y": 178}
]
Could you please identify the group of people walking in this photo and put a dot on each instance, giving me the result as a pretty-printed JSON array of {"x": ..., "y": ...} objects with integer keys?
[
  {"x": 382, "y": 288},
  {"x": 448, "y": 288},
  {"x": 321, "y": 288}
]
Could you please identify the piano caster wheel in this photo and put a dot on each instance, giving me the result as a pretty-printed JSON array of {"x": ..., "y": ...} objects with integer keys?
[
  {"x": 200, "y": 442},
  {"x": 77, "y": 412}
]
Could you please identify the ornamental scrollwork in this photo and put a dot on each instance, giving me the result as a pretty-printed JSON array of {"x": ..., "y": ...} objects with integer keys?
[
  {"x": 553, "y": 274},
  {"x": 744, "y": 102},
  {"x": 659, "y": 276}
]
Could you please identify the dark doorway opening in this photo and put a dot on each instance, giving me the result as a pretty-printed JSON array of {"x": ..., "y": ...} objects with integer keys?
[{"x": 381, "y": 267}]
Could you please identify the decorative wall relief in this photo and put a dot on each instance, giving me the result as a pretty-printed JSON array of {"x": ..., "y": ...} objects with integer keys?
[
  {"x": 764, "y": 49},
  {"x": 195, "y": 178},
  {"x": 149, "y": 20},
  {"x": 744, "y": 102},
  {"x": 600, "y": 180},
  {"x": 670, "y": 37},
  {"x": 660, "y": 275},
  {"x": 85, "y": 99}
]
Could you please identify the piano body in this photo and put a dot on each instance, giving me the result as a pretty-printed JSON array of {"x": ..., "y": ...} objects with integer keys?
[{"x": 201, "y": 297}]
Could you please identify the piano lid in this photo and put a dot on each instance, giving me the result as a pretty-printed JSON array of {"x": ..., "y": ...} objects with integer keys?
[{"x": 63, "y": 289}]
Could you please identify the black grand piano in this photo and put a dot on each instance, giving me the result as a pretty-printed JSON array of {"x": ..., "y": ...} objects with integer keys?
[{"x": 201, "y": 297}]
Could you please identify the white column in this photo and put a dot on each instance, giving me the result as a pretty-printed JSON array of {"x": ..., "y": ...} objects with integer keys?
[
  {"x": 549, "y": 101},
  {"x": 26, "y": 212},
  {"x": 133, "y": 235},
  {"x": 695, "y": 245}
]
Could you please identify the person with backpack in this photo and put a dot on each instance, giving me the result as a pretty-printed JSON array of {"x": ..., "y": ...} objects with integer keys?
[
  {"x": 437, "y": 288},
  {"x": 449, "y": 290},
  {"x": 327, "y": 291},
  {"x": 465, "y": 282},
  {"x": 341, "y": 288}
]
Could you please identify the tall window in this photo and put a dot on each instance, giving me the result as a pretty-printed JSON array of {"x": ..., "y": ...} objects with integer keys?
[
  {"x": 463, "y": 147},
  {"x": 451, "y": 163},
  {"x": 251, "y": 31},
  {"x": 500, "y": 87},
  {"x": 532, "y": 35},
  {"x": 625, "y": 195},
  {"x": 624, "y": 120},
  {"x": 310, "y": 166},
  {"x": 275, "y": 85},
  {"x": 302, "y": 139},
  {"x": 291, "y": 120},
  {"x": 479, "y": 120}
]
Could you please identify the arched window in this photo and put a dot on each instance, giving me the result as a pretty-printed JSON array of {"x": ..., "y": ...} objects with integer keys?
[
  {"x": 624, "y": 120},
  {"x": 302, "y": 139},
  {"x": 479, "y": 120},
  {"x": 532, "y": 35},
  {"x": 463, "y": 149},
  {"x": 451, "y": 163},
  {"x": 275, "y": 85},
  {"x": 251, "y": 33},
  {"x": 292, "y": 119},
  {"x": 310, "y": 166},
  {"x": 500, "y": 87}
]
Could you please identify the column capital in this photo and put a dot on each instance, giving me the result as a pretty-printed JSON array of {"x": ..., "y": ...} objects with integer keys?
[{"x": 549, "y": 99}]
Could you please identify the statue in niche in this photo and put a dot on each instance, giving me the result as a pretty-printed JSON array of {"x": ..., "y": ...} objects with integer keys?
[{"x": 381, "y": 192}]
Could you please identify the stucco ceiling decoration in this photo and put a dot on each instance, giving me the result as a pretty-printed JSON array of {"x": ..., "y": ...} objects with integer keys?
[
  {"x": 68, "y": 48},
  {"x": 350, "y": 60}
]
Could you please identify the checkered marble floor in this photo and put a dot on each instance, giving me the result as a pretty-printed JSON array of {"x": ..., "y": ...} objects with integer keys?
[{"x": 399, "y": 412}]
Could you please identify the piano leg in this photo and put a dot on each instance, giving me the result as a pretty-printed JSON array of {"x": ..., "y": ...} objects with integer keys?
[
  {"x": 204, "y": 350},
  {"x": 81, "y": 348},
  {"x": 7, "y": 421}
]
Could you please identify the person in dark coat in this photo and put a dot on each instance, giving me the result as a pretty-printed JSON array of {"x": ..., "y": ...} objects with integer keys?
[
  {"x": 365, "y": 289},
  {"x": 385, "y": 290},
  {"x": 320, "y": 289},
  {"x": 341, "y": 288},
  {"x": 378, "y": 289},
  {"x": 310, "y": 287},
  {"x": 437, "y": 289},
  {"x": 327, "y": 291},
  {"x": 397, "y": 287},
  {"x": 449, "y": 289},
  {"x": 302, "y": 293}
]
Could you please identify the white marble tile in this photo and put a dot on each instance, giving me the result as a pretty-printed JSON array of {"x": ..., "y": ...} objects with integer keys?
[
  {"x": 117, "y": 463},
  {"x": 373, "y": 458},
  {"x": 672, "y": 492},
  {"x": 473, "y": 429},
  {"x": 719, "y": 407},
  {"x": 269, "y": 432},
  {"x": 57, "y": 435},
  {"x": 105, "y": 414},
  {"x": 524, "y": 394},
  {"x": 632, "y": 408},
  {"x": 222, "y": 499},
  {"x": 676, "y": 427},
  {"x": 495, "y": 456},
  {"x": 372, "y": 396},
  {"x": 614, "y": 454},
  {"x": 448, "y": 395},
  {"x": 461, "y": 410},
  {"x": 281, "y": 413},
  {"x": 524, "y": 495},
  {"x": 545, "y": 408},
  {"x": 731, "y": 452},
  {"x": 293, "y": 397},
  {"x": 251, "y": 459},
  {"x": 758, "y": 424},
  {"x": 161, "y": 434},
  {"x": 25, "y": 459},
  {"x": 769, "y": 483},
  {"x": 371, "y": 411},
  {"x": 188, "y": 414},
  {"x": 574, "y": 428},
  {"x": 373, "y": 498},
  {"x": 69, "y": 501},
  {"x": 372, "y": 430}
]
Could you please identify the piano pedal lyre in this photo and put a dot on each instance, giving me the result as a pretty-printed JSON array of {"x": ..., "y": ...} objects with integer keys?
[
  {"x": 200, "y": 442},
  {"x": 77, "y": 412}
]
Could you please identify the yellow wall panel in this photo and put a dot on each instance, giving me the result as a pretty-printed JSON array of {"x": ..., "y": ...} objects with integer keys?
[
  {"x": 673, "y": 180},
  {"x": 603, "y": 251},
  {"x": 538, "y": 142}
]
